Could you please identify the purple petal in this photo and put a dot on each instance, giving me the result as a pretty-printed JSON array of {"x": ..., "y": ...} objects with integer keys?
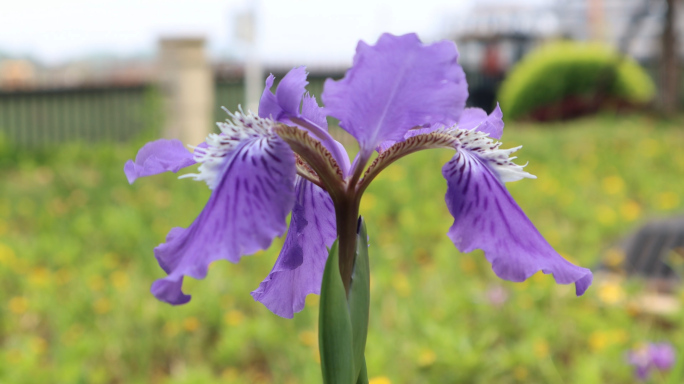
[
  {"x": 285, "y": 106},
  {"x": 396, "y": 85},
  {"x": 299, "y": 268},
  {"x": 268, "y": 104},
  {"x": 170, "y": 291},
  {"x": 662, "y": 356},
  {"x": 642, "y": 372},
  {"x": 288, "y": 97},
  {"x": 477, "y": 118},
  {"x": 157, "y": 157},
  {"x": 471, "y": 118},
  {"x": 385, "y": 145},
  {"x": 291, "y": 90},
  {"x": 245, "y": 212},
  {"x": 487, "y": 217},
  {"x": 312, "y": 112}
]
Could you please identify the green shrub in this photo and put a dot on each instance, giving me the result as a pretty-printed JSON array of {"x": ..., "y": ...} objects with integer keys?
[{"x": 556, "y": 70}]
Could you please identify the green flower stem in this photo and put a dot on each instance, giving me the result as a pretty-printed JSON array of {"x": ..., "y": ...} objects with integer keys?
[
  {"x": 347, "y": 214},
  {"x": 334, "y": 326},
  {"x": 343, "y": 316}
]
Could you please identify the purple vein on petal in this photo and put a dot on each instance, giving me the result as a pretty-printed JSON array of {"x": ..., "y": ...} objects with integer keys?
[
  {"x": 299, "y": 268},
  {"x": 487, "y": 217},
  {"x": 394, "y": 86},
  {"x": 246, "y": 210}
]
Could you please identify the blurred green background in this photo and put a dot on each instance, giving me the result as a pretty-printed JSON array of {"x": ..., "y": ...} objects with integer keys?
[{"x": 76, "y": 264}]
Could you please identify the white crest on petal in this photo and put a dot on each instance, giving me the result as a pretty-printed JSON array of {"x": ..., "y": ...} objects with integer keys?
[
  {"x": 488, "y": 149},
  {"x": 241, "y": 126}
]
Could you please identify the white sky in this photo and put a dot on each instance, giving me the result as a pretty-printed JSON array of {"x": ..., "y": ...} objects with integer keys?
[{"x": 289, "y": 31}]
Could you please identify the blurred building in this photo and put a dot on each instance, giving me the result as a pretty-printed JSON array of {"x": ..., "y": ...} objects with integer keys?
[
  {"x": 24, "y": 74},
  {"x": 494, "y": 35},
  {"x": 632, "y": 26},
  {"x": 17, "y": 74}
]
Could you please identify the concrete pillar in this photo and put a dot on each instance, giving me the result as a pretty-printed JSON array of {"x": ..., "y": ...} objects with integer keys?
[
  {"x": 187, "y": 84},
  {"x": 246, "y": 32}
]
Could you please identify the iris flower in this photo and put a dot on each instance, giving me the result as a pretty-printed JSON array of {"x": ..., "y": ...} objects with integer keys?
[
  {"x": 653, "y": 356},
  {"x": 400, "y": 96}
]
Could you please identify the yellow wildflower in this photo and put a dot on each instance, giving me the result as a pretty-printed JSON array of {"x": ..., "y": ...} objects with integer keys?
[
  {"x": 96, "y": 283},
  {"x": 613, "y": 185},
  {"x": 467, "y": 264},
  {"x": 368, "y": 202},
  {"x": 38, "y": 345},
  {"x": 614, "y": 257},
  {"x": 667, "y": 200},
  {"x": 191, "y": 324},
  {"x": 611, "y": 293},
  {"x": 520, "y": 373},
  {"x": 234, "y": 318},
  {"x": 102, "y": 306},
  {"x": 541, "y": 349},
  {"x": 395, "y": 173},
  {"x": 18, "y": 305},
  {"x": 6, "y": 254},
  {"x": 630, "y": 210},
  {"x": 170, "y": 329},
  {"x": 308, "y": 338},
  {"x": 119, "y": 280},
  {"x": 426, "y": 358},
  {"x": 380, "y": 380},
  {"x": 39, "y": 276},
  {"x": 605, "y": 215},
  {"x": 598, "y": 341},
  {"x": 401, "y": 284}
]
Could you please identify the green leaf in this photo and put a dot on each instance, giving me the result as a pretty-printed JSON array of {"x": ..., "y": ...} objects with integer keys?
[
  {"x": 359, "y": 298},
  {"x": 334, "y": 326},
  {"x": 363, "y": 375}
]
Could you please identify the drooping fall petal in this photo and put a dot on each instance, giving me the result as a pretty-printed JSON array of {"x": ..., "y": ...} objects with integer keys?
[
  {"x": 246, "y": 210},
  {"x": 486, "y": 217},
  {"x": 299, "y": 268}
]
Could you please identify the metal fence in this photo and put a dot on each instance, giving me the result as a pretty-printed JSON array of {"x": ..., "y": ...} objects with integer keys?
[
  {"x": 91, "y": 114},
  {"x": 116, "y": 113}
]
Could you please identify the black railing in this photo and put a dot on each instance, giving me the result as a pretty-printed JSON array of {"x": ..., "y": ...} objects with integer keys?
[
  {"x": 85, "y": 114},
  {"x": 116, "y": 113}
]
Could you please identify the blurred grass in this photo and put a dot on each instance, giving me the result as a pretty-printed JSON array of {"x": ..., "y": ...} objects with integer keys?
[{"x": 76, "y": 263}]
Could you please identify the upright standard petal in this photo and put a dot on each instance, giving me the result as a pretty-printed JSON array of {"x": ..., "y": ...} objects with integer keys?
[
  {"x": 291, "y": 105},
  {"x": 312, "y": 112},
  {"x": 268, "y": 104},
  {"x": 247, "y": 209},
  {"x": 287, "y": 99},
  {"x": 291, "y": 90},
  {"x": 157, "y": 157},
  {"x": 487, "y": 217},
  {"x": 394, "y": 86},
  {"x": 299, "y": 268},
  {"x": 476, "y": 118}
]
